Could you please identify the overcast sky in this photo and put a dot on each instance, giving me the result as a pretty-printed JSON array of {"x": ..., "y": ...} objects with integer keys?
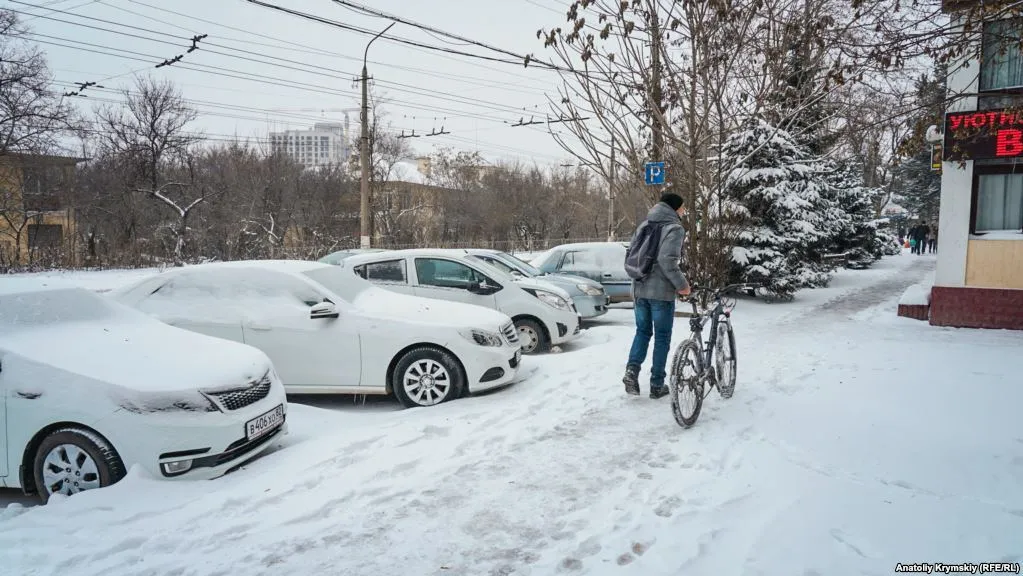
[{"x": 473, "y": 99}]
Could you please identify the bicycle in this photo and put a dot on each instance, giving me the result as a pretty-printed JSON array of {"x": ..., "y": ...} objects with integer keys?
[{"x": 718, "y": 352}]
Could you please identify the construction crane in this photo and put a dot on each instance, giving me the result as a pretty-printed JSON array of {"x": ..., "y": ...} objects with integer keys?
[{"x": 323, "y": 112}]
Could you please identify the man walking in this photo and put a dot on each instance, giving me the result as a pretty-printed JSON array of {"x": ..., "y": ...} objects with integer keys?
[{"x": 653, "y": 263}]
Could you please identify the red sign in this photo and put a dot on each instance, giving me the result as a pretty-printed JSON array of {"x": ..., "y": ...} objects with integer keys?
[{"x": 983, "y": 134}]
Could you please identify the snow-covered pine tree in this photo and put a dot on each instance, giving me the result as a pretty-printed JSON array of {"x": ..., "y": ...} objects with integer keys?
[
  {"x": 781, "y": 195},
  {"x": 855, "y": 231}
]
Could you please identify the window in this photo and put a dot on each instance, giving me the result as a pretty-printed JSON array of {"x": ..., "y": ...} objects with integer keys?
[
  {"x": 999, "y": 202},
  {"x": 45, "y": 236},
  {"x": 497, "y": 264},
  {"x": 1001, "y": 56},
  {"x": 445, "y": 273},
  {"x": 580, "y": 261},
  {"x": 389, "y": 271}
]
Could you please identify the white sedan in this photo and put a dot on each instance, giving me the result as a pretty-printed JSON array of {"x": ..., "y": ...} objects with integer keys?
[
  {"x": 328, "y": 331},
  {"x": 89, "y": 388}
]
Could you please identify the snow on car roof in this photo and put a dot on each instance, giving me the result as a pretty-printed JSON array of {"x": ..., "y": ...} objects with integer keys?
[{"x": 26, "y": 284}]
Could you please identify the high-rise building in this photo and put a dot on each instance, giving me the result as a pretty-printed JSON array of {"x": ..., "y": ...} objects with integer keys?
[{"x": 325, "y": 144}]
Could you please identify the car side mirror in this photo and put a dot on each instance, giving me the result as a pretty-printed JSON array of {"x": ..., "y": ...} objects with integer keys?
[
  {"x": 517, "y": 274},
  {"x": 325, "y": 309}
]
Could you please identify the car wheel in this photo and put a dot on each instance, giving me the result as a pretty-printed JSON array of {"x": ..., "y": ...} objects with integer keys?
[
  {"x": 532, "y": 337},
  {"x": 72, "y": 460},
  {"x": 426, "y": 377}
]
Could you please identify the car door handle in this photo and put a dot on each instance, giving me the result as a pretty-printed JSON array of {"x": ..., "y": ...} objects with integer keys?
[
  {"x": 29, "y": 395},
  {"x": 607, "y": 275},
  {"x": 260, "y": 327}
]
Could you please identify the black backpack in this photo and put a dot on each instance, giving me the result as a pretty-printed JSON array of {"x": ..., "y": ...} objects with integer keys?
[{"x": 642, "y": 253}]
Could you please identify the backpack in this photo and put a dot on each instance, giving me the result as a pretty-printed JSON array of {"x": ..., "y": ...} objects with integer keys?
[{"x": 642, "y": 253}]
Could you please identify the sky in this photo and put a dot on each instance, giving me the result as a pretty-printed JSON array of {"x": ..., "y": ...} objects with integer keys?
[{"x": 307, "y": 69}]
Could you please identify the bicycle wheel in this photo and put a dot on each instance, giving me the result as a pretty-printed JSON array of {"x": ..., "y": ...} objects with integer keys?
[
  {"x": 686, "y": 396},
  {"x": 725, "y": 362}
]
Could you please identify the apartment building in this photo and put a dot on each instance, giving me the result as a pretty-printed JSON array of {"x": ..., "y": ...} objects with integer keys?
[{"x": 325, "y": 144}]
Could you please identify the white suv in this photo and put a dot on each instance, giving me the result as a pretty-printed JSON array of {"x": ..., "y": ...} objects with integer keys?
[{"x": 543, "y": 313}]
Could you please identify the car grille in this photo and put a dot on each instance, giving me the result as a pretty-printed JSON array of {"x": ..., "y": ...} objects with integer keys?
[
  {"x": 242, "y": 397},
  {"x": 510, "y": 333}
]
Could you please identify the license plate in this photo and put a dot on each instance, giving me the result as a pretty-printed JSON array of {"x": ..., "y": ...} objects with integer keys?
[{"x": 264, "y": 423}]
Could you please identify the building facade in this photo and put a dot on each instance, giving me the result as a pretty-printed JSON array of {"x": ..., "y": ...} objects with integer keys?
[
  {"x": 37, "y": 222},
  {"x": 979, "y": 276},
  {"x": 325, "y": 144}
]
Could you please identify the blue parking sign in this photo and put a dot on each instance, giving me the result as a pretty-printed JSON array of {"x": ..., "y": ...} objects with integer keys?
[{"x": 654, "y": 173}]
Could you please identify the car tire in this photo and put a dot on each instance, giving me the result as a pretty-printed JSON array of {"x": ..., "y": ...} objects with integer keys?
[
  {"x": 89, "y": 462},
  {"x": 532, "y": 337},
  {"x": 427, "y": 376}
]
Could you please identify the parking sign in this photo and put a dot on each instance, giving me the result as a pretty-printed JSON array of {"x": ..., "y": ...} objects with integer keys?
[{"x": 654, "y": 173}]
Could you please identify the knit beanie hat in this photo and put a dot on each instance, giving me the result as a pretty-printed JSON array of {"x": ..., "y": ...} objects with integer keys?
[{"x": 672, "y": 199}]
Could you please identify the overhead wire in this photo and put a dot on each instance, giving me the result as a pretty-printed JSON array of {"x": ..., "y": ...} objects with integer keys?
[{"x": 446, "y": 96}]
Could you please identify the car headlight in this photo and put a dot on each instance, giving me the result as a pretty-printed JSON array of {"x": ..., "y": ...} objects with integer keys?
[
  {"x": 589, "y": 290},
  {"x": 553, "y": 300},
  {"x": 483, "y": 337}
]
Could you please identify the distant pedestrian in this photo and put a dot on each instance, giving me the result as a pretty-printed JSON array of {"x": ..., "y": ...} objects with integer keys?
[
  {"x": 932, "y": 241},
  {"x": 912, "y": 238},
  {"x": 922, "y": 232},
  {"x": 653, "y": 264}
]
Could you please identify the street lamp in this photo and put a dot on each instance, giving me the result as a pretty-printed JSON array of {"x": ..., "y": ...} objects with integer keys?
[{"x": 364, "y": 227}]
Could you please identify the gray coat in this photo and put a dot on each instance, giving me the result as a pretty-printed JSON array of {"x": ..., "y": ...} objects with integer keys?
[{"x": 665, "y": 278}]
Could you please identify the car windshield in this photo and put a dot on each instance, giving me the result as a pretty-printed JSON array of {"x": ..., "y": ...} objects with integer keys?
[
  {"x": 54, "y": 306},
  {"x": 522, "y": 266},
  {"x": 339, "y": 281},
  {"x": 542, "y": 259}
]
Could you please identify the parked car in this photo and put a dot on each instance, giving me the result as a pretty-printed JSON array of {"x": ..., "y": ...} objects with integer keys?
[
  {"x": 603, "y": 262},
  {"x": 543, "y": 313},
  {"x": 588, "y": 295},
  {"x": 335, "y": 258},
  {"x": 89, "y": 388},
  {"x": 328, "y": 331}
]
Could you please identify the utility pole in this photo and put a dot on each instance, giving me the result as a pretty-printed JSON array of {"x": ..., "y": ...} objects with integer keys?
[
  {"x": 611, "y": 194},
  {"x": 364, "y": 160},
  {"x": 655, "y": 106}
]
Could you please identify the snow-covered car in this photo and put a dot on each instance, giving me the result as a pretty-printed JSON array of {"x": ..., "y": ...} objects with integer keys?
[
  {"x": 335, "y": 258},
  {"x": 90, "y": 388},
  {"x": 589, "y": 296},
  {"x": 603, "y": 262},
  {"x": 543, "y": 313},
  {"x": 328, "y": 331}
]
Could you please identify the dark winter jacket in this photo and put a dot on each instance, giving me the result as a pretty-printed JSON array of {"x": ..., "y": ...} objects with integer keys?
[{"x": 665, "y": 278}]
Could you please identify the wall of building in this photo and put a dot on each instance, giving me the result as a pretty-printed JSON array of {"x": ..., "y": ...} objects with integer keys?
[
  {"x": 957, "y": 182},
  {"x": 995, "y": 264}
]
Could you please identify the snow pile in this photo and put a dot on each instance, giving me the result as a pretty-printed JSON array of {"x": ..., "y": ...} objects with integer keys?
[
  {"x": 803, "y": 471},
  {"x": 918, "y": 294},
  {"x": 97, "y": 280}
]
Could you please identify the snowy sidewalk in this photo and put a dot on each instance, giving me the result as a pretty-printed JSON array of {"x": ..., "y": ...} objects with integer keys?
[{"x": 855, "y": 440}]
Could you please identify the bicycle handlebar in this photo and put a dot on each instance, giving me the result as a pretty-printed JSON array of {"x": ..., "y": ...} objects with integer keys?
[{"x": 715, "y": 294}]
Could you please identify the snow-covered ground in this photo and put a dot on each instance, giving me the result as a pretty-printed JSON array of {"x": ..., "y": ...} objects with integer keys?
[{"x": 855, "y": 440}]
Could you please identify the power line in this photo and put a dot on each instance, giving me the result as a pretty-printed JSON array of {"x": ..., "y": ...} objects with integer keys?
[
  {"x": 524, "y": 59},
  {"x": 313, "y": 50},
  {"x": 446, "y": 96},
  {"x": 252, "y": 77},
  {"x": 343, "y": 26}
]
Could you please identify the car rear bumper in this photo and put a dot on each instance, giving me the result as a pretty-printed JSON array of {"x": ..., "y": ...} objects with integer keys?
[{"x": 618, "y": 293}]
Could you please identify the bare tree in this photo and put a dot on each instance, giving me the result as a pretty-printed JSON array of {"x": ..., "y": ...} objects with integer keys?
[
  {"x": 32, "y": 116},
  {"x": 148, "y": 134}
]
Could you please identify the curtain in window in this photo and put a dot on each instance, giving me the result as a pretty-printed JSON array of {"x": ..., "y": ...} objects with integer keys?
[
  {"x": 1002, "y": 65},
  {"x": 1000, "y": 202}
]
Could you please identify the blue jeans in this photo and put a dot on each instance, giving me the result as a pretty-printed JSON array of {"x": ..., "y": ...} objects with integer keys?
[{"x": 654, "y": 318}]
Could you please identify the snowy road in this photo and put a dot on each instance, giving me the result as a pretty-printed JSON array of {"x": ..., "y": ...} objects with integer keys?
[{"x": 855, "y": 440}]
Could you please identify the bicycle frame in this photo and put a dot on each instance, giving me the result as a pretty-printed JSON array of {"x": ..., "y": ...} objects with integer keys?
[{"x": 716, "y": 315}]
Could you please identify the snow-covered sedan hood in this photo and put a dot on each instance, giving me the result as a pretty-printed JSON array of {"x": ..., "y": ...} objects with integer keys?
[
  {"x": 569, "y": 278},
  {"x": 383, "y": 303},
  {"x": 138, "y": 359}
]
